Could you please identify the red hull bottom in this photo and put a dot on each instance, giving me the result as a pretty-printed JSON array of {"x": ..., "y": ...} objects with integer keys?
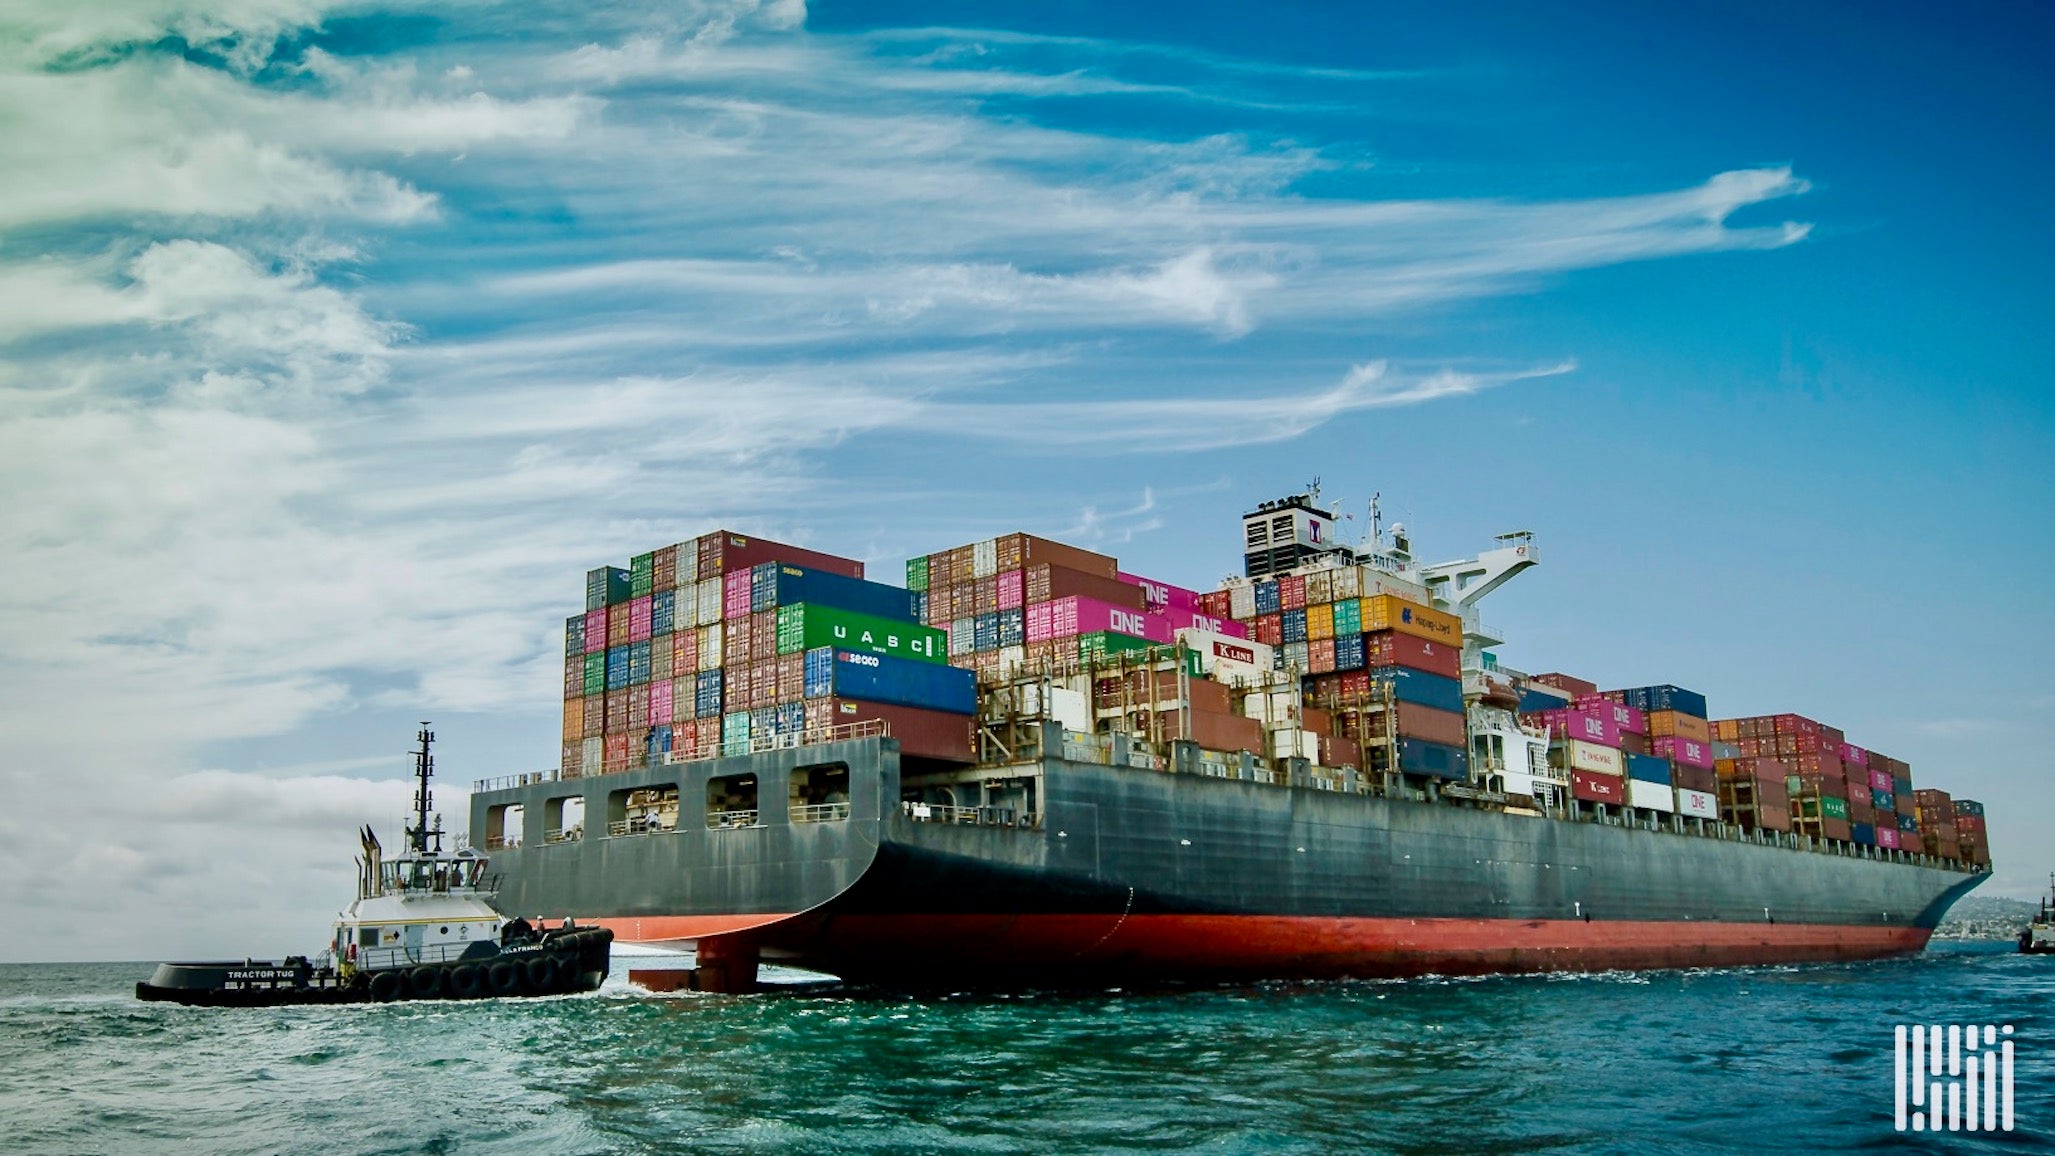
[{"x": 955, "y": 947}]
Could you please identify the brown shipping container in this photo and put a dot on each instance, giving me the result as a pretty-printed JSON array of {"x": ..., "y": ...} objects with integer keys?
[
  {"x": 1025, "y": 551},
  {"x": 617, "y": 711},
  {"x": 572, "y": 762},
  {"x": 1833, "y": 828},
  {"x": 1665, "y": 723},
  {"x": 1634, "y": 744},
  {"x": 927, "y": 734},
  {"x": 1576, "y": 686},
  {"x": 1694, "y": 778},
  {"x": 791, "y": 677},
  {"x": 1598, "y": 788},
  {"x": 1047, "y": 583},
  {"x": 1215, "y": 730},
  {"x": 1392, "y": 648},
  {"x": 595, "y": 716},
  {"x": 1758, "y": 768},
  {"x": 763, "y": 635},
  {"x": 985, "y": 595},
  {"x": 666, "y": 572},
  {"x": 724, "y": 551},
  {"x": 1134, "y": 688},
  {"x": 1446, "y": 727}
]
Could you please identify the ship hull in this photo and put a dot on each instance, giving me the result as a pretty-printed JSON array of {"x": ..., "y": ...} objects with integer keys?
[{"x": 1134, "y": 875}]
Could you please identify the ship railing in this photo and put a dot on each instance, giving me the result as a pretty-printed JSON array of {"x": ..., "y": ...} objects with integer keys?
[
  {"x": 505, "y": 782},
  {"x": 376, "y": 958},
  {"x": 819, "y": 812},
  {"x": 716, "y": 747},
  {"x": 971, "y": 816},
  {"x": 564, "y": 834},
  {"x": 624, "y": 828},
  {"x": 729, "y": 820},
  {"x": 502, "y": 842}
]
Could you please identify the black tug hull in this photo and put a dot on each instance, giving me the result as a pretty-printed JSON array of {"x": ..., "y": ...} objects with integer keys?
[{"x": 563, "y": 963}]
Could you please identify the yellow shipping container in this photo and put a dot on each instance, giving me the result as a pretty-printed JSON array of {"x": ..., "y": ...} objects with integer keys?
[
  {"x": 1668, "y": 723},
  {"x": 1390, "y": 612},
  {"x": 574, "y": 719},
  {"x": 1320, "y": 622}
]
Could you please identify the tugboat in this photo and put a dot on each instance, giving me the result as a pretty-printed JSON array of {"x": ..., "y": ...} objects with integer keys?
[
  {"x": 423, "y": 926},
  {"x": 2038, "y": 937}
]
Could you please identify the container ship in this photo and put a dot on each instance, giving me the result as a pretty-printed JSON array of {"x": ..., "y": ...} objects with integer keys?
[{"x": 1028, "y": 767}]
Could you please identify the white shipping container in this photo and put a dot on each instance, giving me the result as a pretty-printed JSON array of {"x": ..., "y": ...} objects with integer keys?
[
  {"x": 1295, "y": 656},
  {"x": 1371, "y": 582},
  {"x": 688, "y": 563},
  {"x": 592, "y": 758},
  {"x": 1241, "y": 602},
  {"x": 1292, "y": 743},
  {"x": 1229, "y": 659},
  {"x": 1653, "y": 796},
  {"x": 1319, "y": 587},
  {"x": 984, "y": 558},
  {"x": 1069, "y": 707},
  {"x": 1272, "y": 708},
  {"x": 1596, "y": 759},
  {"x": 707, "y": 607},
  {"x": 1347, "y": 582},
  {"x": 1011, "y": 659},
  {"x": 962, "y": 637},
  {"x": 710, "y": 642},
  {"x": 1697, "y": 804}
]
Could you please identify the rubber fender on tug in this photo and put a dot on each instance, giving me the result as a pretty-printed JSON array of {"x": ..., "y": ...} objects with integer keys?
[
  {"x": 386, "y": 986},
  {"x": 424, "y": 982},
  {"x": 506, "y": 977},
  {"x": 542, "y": 973},
  {"x": 467, "y": 981}
]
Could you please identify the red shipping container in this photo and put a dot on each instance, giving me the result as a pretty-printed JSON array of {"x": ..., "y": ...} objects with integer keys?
[
  {"x": 666, "y": 568},
  {"x": 1446, "y": 727},
  {"x": 1694, "y": 779},
  {"x": 927, "y": 734},
  {"x": 660, "y": 703},
  {"x": 572, "y": 763},
  {"x": 1047, "y": 583},
  {"x": 1391, "y": 648},
  {"x": 1214, "y": 730},
  {"x": 1025, "y": 551},
  {"x": 1335, "y": 752},
  {"x": 1577, "y": 687},
  {"x": 791, "y": 677},
  {"x": 617, "y": 710},
  {"x": 1598, "y": 788},
  {"x": 638, "y": 619},
  {"x": 638, "y": 709},
  {"x": 726, "y": 552},
  {"x": 1795, "y": 724},
  {"x": 1270, "y": 629},
  {"x": 1634, "y": 744},
  {"x": 1319, "y": 657},
  {"x": 616, "y": 752},
  {"x": 1291, "y": 592},
  {"x": 1858, "y": 795},
  {"x": 685, "y": 652},
  {"x": 595, "y": 715},
  {"x": 1217, "y": 604}
]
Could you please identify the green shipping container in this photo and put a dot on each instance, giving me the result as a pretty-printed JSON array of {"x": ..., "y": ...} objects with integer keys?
[
  {"x": 735, "y": 733},
  {"x": 596, "y": 672},
  {"x": 1109, "y": 642},
  {"x": 803, "y": 627},
  {"x": 917, "y": 573},
  {"x": 1348, "y": 617},
  {"x": 1834, "y": 808},
  {"x": 641, "y": 575}
]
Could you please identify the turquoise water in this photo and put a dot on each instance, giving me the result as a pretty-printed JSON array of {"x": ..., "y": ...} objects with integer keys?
[{"x": 1757, "y": 1059}]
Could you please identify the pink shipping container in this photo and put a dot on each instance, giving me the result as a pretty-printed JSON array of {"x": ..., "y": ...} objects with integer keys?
[
  {"x": 735, "y": 595},
  {"x": 1880, "y": 780},
  {"x": 595, "y": 630},
  {"x": 1193, "y": 620},
  {"x": 1690, "y": 752},
  {"x": 660, "y": 702},
  {"x": 1629, "y": 720},
  {"x": 1850, "y": 753},
  {"x": 638, "y": 619},
  {"x": 1888, "y": 837},
  {"x": 1069, "y": 617},
  {"x": 1162, "y": 595},
  {"x": 1589, "y": 726},
  {"x": 1012, "y": 589}
]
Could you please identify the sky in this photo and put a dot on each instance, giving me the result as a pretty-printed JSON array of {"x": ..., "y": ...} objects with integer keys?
[{"x": 338, "y": 340}]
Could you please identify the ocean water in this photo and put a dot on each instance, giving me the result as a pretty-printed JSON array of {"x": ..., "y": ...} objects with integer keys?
[{"x": 1767, "y": 1059}]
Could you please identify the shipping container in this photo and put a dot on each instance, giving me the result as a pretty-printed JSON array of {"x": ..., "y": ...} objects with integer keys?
[
  {"x": 1571, "y": 685},
  {"x": 1100, "y": 644},
  {"x": 1577, "y": 723},
  {"x": 724, "y": 552},
  {"x": 1067, "y": 617},
  {"x": 605, "y": 587},
  {"x": 1012, "y": 587},
  {"x": 1291, "y": 592},
  {"x": 1677, "y": 724},
  {"x": 1697, "y": 804},
  {"x": 805, "y": 626},
  {"x": 1025, "y": 551},
  {"x": 1688, "y": 751},
  {"x": 927, "y": 734},
  {"x": 617, "y": 667},
  {"x": 1445, "y": 727},
  {"x": 917, "y": 573},
  {"x": 1648, "y": 769},
  {"x": 1161, "y": 595},
  {"x": 1590, "y": 757},
  {"x": 1390, "y": 612},
  {"x": 1650, "y": 795},
  {"x": 708, "y": 694},
  {"x": 1415, "y": 757},
  {"x": 1393, "y": 648},
  {"x": 641, "y": 575},
  {"x": 833, "y": 673},
  {"x": 1418, "y": 686},
  {"x": 1598, "y": 788},
  {"x": 1629, "y": 720},
  {"x": 1319, "y": 622},
  {"x": 1666, "y": 697}
]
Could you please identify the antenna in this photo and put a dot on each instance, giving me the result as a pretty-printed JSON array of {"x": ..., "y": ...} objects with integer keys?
[
  {"x": 1376, "y": 521},
  {"x": 424, "y": 768},
  {"x": 1313, "y": 491}
]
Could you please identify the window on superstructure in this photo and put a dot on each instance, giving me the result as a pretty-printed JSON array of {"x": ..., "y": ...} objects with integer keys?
[{"x": 731, "y": 801}]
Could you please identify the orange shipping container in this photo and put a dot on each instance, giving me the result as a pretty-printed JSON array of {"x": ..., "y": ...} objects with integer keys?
[
  {"x": 1662, "y": 723},
  {"x": 1390, "y": 612},
  {"x": 574, "y": 719}
]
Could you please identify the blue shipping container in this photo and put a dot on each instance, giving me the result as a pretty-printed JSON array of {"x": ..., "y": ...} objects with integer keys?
[
  {"x": 820, "y": 672},
  {"x": 763, "y": 587},
  {"x": 660, "y": 738},
  {"x": 790, "y": 718},
  {"x": 574, "y": 636},
  {"x": 1908, "y": 824},
  {"x": 1648, "y": 769},
  {"x": 1268, "y": 599},
  {"x": 920, "y": 606},
  {"x": 1536, "y": 701},
  {"x": 1348, "y": 652},
  {"x": 1667, "y": 697},
  {"x": 904, "y": 682},
  {"x": 706, "y": 695},
  {"x": 1012, "y": 627},
  {"x": 984, "y": 633},
  {"x": 1422, "y": 758},
  {"x": 790, "y": 585},
  {"x": 1421, "y": 688},
  {"x": 1865, "y": 833},
  {"x": 1295, "y": 626},
  {"x": 663, "y": 611},
  {"x": 638, "y": 663},
  {"x": 1883, "y": 801},
  {"x": 617, "y": 667}
]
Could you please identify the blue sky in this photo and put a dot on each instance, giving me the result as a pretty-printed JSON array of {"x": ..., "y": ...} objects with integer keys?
[{"x": 339, "y": 339}]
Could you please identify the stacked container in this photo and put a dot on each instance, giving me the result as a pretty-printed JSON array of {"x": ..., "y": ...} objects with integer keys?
[
  {"x": 1970, "y": 837},
  {"x": 704, "y": 647}
]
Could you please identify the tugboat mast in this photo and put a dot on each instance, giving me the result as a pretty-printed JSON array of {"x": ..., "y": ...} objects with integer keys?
[{"x": 424, "y": 769}]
